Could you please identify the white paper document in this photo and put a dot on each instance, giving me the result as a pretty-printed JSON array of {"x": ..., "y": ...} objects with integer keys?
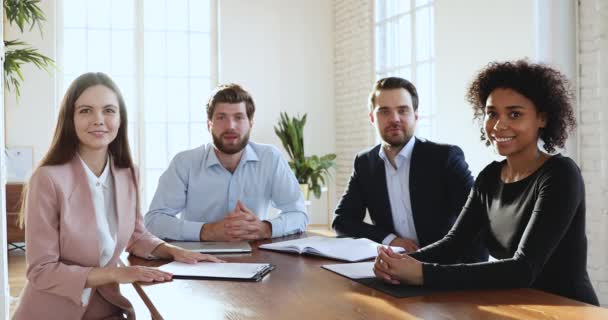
[
  {"x": 216, "y": 270},
  {"x": 347, "y": 249},
  {"x": 359, "y": 270},
  {"x": 213, "y": 247}
]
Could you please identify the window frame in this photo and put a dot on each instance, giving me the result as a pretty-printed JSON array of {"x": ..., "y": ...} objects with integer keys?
[
  {"x": 429, "y": 118},
  {"x": 138, "y": 147}
]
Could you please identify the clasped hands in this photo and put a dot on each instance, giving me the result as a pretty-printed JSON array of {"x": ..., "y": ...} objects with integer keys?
[
  {"x": 396, "y": 268},
  {"x": 239, "y": 225}
]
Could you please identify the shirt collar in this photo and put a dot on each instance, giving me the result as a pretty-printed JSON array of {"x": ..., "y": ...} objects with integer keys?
[
  {"x": 92, "y": 179},
  {"x": 248, "y": 155},
  {"x": 405, "y": 153}
]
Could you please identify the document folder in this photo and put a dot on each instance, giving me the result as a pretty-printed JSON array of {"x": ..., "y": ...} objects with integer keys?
[
  {"x": 363, "y": 273},
  {"x": 218, "y": 271},
  {"x": 213, "y": 247}
]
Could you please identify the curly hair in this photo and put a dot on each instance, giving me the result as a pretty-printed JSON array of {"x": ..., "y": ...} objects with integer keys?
[{"x": 546, "y": 87}]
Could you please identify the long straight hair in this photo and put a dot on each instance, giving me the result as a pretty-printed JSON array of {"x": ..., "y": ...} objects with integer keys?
[{"x": 65, "y": 143}]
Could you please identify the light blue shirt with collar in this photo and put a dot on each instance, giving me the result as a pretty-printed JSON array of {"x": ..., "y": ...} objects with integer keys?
[
  {"x": 398, "y": 186},
  {"x": 202, "y": 190}
]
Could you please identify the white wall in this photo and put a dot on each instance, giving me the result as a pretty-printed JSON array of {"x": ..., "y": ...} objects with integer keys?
[
  {"x": 31, "y": 122},
  {"x": 354, "y": 77},
  {"x": 27, "y": 124},
  {"x": 4, "y": 289},
  {"x": 593, "y": 135},
  {"x": 556, "y": 44},
  {"x": 472, "y": 35},
  {"x": 282, "y": 52},
  {"x": 468, "y": 36}
]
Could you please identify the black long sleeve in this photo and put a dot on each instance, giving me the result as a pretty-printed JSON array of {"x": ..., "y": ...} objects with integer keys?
[
  {"x": 459, "y": 185},
  {"x": 535, "y": 227}
]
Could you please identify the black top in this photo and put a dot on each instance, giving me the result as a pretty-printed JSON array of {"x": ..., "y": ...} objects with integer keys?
[
  {"x": 535, "y": 227},
  {"x": 439, "y": 183}
]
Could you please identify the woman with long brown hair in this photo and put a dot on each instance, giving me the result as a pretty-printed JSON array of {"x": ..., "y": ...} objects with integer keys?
[{"x": 81, "y": 209}]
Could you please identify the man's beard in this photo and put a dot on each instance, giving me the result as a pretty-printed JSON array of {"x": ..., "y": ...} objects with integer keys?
[
  {"x": 397, "y": 141},
  {"x": 230, "y": 149}
]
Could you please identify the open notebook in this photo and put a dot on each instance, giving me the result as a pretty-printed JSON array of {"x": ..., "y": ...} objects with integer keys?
[
  {"x": 347, "y": 249},
  {"x": 218, "y": 271}
]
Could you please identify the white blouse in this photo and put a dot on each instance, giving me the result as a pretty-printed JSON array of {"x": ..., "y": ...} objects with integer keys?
[{"x": 102, "y": 192}]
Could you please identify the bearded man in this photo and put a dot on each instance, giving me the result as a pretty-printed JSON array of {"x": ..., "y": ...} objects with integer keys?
[
  {"x": 224, "y": 189},
  {"x": 412, "y": 188}
]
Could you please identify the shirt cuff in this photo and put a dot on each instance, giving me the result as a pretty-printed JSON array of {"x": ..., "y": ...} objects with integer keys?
[
  {"x": 86, "y": 296},
  {"x": 276, "y": 228},
  {"x": 192, "y": 230},
  {"x": 387, "y": 241}
]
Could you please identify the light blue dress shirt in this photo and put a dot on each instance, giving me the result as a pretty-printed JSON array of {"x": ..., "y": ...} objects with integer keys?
[
  {"x": 202, "y": 190},
  {"x": 398, "y": 186}
]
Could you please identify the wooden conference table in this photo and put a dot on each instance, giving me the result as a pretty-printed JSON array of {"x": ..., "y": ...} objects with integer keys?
[{"x": 300, "y": 289}]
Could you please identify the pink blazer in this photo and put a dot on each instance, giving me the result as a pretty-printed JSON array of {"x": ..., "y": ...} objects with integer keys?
[{"x": 62, "y": 245}]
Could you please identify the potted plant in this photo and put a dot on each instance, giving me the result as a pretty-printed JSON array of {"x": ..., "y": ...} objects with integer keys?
[
  {"x": 22, "y": 13},
  {"x": 311, "y": 171}
]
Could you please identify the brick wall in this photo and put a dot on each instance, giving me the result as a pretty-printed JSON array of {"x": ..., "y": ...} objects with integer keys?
[
  {"x": 354, "y": 76},
  {"x": 593, "y": 133}
]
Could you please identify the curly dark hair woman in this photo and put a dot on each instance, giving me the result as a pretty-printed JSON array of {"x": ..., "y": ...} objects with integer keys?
[
  {"x": 529, "y": 208},
  {"x": 546, "y": 87}
]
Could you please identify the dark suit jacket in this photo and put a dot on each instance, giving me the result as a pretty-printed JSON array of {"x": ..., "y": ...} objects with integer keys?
[{"x": 440, "y": 182}]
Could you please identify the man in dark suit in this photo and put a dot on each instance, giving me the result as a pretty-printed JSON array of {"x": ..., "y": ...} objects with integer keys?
[{"x": 413, "y": 188}]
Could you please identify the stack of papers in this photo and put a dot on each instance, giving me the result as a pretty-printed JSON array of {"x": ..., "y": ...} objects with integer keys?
[
  {"x": 347, "y": 249},
  {"x": 218, "y": 271}
]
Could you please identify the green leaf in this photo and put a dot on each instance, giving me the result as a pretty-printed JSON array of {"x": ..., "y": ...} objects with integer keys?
[
  {"x": 312, "y": 170},
  {"x": 24, "y": 12},
  {"x": 17, "y": 55}
]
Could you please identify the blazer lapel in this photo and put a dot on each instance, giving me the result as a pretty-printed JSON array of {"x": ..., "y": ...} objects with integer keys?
[
  {"x": 81, "y": 198},
  {"x": 123, "y": 202},
  {"x": 416, "y": 173},
  {"x": 379, "y": 178}
]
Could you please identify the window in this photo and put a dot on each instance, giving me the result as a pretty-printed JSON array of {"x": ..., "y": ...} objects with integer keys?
[
  {"x": 404, "y": 47},
  {"x": 161, "y": 54}
]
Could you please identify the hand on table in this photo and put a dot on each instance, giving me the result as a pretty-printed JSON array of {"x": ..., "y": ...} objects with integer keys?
[
  {"x": 397, "y": 268},
  {"x": 405, "y": 243},
  {"x": 188, "y": 256},
  {"x": 242, "y": 224}
]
